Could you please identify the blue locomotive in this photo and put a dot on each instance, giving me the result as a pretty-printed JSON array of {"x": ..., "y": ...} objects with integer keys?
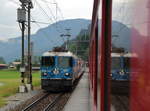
[
  {"x": 120, "y": 66},
  {"x": 59, "y": 70},
  {"x": 120, "y": 72}
]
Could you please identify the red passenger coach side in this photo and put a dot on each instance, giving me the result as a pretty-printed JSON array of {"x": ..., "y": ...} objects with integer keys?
[
  {"x": 100, "y": 49},
  {"x": 138, "y": 13},
  {"x": 140, "y": 78}
]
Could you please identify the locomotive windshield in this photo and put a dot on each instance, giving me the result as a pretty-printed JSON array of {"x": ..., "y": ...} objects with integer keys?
[
  {"x": 48, "y": 61},
  {"x": 115, "y": 64},
  {"x": 65, "y": 62}
]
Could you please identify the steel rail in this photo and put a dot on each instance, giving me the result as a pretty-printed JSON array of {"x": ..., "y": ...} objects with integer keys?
[
  {"x": 34, "y": 103},
  {"x": 53, "y": 103},
  {"x": 122, "y": 103}
]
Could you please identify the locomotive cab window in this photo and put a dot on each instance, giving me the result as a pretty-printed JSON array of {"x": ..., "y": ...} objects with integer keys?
[
  {"x": 65, "y": 62},
  {"x": 115, "y": 63},
  {"x": 48, "y": 61}
]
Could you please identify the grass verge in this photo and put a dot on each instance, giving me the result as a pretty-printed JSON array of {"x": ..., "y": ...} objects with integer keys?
[{"x": 10, "y": 80}]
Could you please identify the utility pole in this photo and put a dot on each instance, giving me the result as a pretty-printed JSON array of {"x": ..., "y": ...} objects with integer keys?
[
  {"x": 29, "y": 80},
  {"x": 68, "y": 36},
  {"x": 26, "y": 5},
  {"x": 21, "y": 12}
]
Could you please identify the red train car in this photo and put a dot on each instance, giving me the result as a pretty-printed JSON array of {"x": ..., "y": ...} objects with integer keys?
[{"x": 100, "y": 49}]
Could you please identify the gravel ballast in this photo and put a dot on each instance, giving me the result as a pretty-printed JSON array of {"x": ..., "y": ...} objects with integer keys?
[{"x": 19, "y": 98}]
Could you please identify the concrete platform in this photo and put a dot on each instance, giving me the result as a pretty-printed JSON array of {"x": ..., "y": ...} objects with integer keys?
[{"x": 79, "y": 101}]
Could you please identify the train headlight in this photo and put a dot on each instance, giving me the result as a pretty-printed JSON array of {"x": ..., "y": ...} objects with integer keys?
[
  {"x": 44, "y": 74},
  {"x": 67, "y": 74},
  {"x": 121, "y": 73}
]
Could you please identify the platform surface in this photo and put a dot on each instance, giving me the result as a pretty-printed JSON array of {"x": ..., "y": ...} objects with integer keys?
[{"x": 79, "y": 101}]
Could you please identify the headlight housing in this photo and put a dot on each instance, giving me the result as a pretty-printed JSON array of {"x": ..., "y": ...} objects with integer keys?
[
  {"x": 44, "y": 74},
  {"x": 121, "y": 72},
  {"x": 67, "y": 74}
]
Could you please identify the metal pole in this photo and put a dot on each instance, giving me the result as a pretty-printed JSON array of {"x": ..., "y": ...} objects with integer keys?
[
  {"x": 29, "y": 51},
  {"x": 22, "y": 62},
  {"x": 67, "y": 43}
]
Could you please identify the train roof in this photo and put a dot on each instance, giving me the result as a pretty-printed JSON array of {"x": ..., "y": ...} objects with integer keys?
[
  {"x": 51, "y": 53},
  {"x": 123, "y": 54}
]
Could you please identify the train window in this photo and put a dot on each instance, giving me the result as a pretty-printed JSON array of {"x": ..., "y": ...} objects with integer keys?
[
  {"x": 48, "y": 61},
  {"x": 65, "y": 62},
  {"x": 115, "y": 63}
]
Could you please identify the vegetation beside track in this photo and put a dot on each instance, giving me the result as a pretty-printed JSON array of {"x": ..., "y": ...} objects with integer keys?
[{"x": 10, "y": 80}]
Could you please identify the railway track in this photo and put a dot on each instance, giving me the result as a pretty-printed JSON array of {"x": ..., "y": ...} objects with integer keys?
[
  {"x": 30, "y": 106},
  {"x": 120, "y": 102},
  {"x": 47, "y": 101},
  {"x": 44, "y": 103},
  {"x": 53, "y": 103},
  {"x": 50, "y": 101}
]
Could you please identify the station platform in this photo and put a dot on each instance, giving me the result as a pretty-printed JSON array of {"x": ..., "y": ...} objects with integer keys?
[{"x": 79, "y": 100}]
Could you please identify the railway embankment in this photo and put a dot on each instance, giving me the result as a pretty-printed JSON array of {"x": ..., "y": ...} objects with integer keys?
[{"x": 18, "y": 98}]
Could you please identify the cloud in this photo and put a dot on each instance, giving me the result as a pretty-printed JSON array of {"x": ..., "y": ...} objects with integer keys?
[
  {"x": 121, "y": 10},
  {"x": 122, "y": 1},
  {"x": 12, "y": 4},
  {"x": 70, "y": 8},
  {"x": 7, "y": 26}
]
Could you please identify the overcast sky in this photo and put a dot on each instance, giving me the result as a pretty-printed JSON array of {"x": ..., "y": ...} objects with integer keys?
[{"x": 69, "y": 8}]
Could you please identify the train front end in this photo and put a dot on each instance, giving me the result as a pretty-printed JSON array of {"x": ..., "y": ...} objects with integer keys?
[
  {"x": 56, "y": 71},
  {"x": 120, "y": 73}
]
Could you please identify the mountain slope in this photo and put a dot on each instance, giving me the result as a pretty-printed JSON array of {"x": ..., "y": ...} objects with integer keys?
[{"x": 44, "y": 39}]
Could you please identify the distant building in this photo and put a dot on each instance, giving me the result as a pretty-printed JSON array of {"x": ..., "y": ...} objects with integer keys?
[
  {"x": 35, "y": 68},
  {"x": 3, "y": 66},
  {"x": 14, "y": 64}
]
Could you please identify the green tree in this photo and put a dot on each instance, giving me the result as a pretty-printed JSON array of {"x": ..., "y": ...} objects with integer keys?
[
  {"x": 80, "y": 46},
  {"x": 2, "y": 61}
]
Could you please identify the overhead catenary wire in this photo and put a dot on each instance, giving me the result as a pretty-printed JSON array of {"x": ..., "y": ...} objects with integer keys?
[
  {"x": 121, "y": 15},
  {"x": 44, "y": 33},
  {"x": 39, "y": 22},
  {"x": 58, "y": 26},
  {"x": 44, "y": 12},
  {"x": 49, "y": 9},
  {"x": 61, "y": 14}
]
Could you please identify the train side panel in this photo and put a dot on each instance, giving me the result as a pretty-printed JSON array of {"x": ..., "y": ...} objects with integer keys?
[
  {"x": 140, "y": 83},
  {"x": 100, "y": 49}
]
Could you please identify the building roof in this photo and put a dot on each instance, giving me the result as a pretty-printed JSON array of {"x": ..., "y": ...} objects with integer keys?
[
  {"x": 3, "y": 65},
  {"x": 16, "y": 63}
]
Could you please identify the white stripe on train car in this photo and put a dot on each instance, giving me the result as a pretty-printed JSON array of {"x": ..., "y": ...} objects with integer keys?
[{"x": 67, "y": 54}]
